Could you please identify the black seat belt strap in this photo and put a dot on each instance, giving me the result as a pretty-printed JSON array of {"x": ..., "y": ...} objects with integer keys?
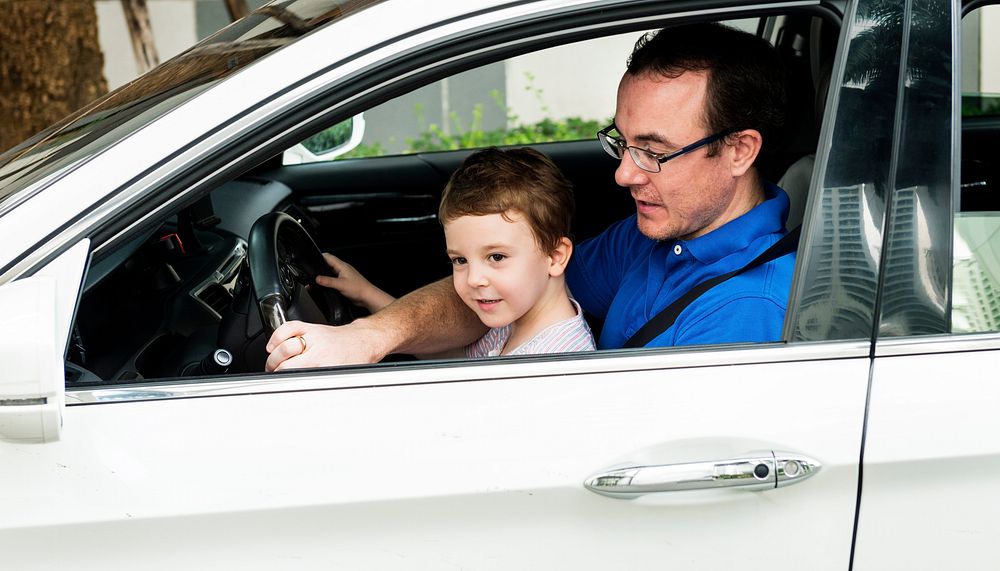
[{"x": 664, "y": 319}]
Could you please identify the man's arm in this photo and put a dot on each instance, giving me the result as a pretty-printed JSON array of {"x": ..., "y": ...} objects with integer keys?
[{"x": 430, "y": 320}]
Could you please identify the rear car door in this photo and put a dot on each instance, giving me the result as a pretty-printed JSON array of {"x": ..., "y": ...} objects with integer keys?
[{"x": 931, "y": 456}]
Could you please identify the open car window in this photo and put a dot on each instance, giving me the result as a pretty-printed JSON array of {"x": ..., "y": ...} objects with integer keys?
[
  {"x": 539, "y": 97},
  {"x": 185, "y": 282}
]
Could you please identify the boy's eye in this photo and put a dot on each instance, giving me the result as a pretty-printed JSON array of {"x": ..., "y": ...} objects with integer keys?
[
  {"x": 458, "y": 261},
  {"x": 496, "y": 257}
]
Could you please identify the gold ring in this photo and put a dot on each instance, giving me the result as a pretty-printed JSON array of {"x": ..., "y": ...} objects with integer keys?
[{"x": 302, "y": 340}]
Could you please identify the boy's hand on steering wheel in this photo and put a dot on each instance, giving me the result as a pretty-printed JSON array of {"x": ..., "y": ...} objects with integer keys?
[{"x": 353, "y": 285}]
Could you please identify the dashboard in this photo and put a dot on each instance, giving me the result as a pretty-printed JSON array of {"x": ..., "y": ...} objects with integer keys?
[{"x": 157, "y": 305}]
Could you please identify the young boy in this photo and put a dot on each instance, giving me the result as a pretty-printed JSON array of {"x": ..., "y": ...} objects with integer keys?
[{"x": 506, "y": 217}]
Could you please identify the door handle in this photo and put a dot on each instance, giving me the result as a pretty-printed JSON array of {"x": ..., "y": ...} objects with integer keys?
[{"x": 755, "y": 471}]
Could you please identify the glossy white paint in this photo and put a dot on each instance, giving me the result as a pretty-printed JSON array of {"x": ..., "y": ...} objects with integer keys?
[
  {"x": 35, "y": 319},
  {"x": 483, "y": 474},
  {"x": 932, "y": 463},
  {"x": 31, "y": 386}
]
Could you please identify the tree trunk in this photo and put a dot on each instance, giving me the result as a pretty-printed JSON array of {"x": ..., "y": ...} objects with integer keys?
[
  {"x": 237, "y": 9},
  {"x": 141, "y": 32},
  {"x": 50, "y": 64}
]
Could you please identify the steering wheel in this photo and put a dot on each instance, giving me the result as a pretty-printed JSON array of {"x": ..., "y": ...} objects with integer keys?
[{"x": 283, "y": 260}]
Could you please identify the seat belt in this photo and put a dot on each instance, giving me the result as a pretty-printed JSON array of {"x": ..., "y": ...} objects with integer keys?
[{"x": 664, "y": 319}]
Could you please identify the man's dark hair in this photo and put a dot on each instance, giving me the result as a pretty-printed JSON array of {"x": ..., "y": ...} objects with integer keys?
[{"x": 746, "y": 78}]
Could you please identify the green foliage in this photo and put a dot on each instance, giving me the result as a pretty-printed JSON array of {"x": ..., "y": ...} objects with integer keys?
[
  {"x": 459, "y": 136},
  {"x": 330, "y": 138},
  {"x": 980, "y": 104},
  {"x": 544, "y": 131},
  {"x": 362, "y": 151}
]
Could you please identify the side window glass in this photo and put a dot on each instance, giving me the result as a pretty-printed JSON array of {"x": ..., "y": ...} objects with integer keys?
[
  {"x": 976, "y": 248},
  {"x": 838, "y": 258},
  {"x": 534, "y": 98}
]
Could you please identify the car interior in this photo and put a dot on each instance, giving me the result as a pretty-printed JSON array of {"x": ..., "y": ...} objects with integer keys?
[{"x": 164, "y": 302}]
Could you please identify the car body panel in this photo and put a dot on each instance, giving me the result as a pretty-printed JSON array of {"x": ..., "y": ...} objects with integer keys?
[
  {"x": 404, "y": 467},
  {"x": 931, "y": 453},
  {"x": 931, "y": 459},
  {"x": 409, "y": 464}
]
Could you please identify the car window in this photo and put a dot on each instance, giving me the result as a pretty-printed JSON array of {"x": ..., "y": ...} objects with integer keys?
[
  {"x": 976, "y": 258},
  {"x": 539, "y": 97},
  {"x": 186, "y": 285}
]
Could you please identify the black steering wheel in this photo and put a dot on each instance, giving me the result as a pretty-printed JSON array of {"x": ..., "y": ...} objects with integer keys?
[{"x": 284, "y": 259}]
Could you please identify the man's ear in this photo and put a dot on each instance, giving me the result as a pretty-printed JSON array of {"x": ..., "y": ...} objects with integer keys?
[
  {"x": 559, "y": 257},
  {"x": 743, "y": 146}
]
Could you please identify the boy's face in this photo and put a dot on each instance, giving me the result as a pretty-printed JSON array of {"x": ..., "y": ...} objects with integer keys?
[{"x": 498, "y": 269}]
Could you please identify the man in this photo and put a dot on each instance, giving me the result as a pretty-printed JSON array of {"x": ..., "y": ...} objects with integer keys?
[{"x": 693, "y": 110}]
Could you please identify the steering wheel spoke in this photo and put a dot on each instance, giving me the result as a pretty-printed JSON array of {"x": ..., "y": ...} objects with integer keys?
[{"x": 284, "y": 263}]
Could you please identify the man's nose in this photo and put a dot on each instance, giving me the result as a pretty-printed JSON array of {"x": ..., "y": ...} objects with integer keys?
[{"x": 629, "y": 174}]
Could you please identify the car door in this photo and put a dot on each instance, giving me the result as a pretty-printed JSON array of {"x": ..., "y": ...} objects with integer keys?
[
  {"x": 705, "y": 457},
  {"x": 931, "y": 455}
]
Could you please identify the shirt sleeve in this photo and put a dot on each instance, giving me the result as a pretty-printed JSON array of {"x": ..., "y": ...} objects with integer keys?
[{"x": 596, "y": 269}]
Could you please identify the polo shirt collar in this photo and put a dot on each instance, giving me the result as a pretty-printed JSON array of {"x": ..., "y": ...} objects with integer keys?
[{"x": 768, "y": 217}]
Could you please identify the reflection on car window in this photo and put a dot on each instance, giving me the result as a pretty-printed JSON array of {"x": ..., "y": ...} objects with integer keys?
[{"x": 976, "y": 258}]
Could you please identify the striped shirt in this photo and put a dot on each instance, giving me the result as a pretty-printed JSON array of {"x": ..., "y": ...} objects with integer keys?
[{"x": 565, "y": 336}]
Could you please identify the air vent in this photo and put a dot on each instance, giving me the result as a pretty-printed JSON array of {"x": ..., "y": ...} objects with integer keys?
[{"x": 216, "y": 297}]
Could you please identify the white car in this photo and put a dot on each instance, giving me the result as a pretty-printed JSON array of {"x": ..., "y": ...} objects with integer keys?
[{"x": 866, "y": 439}]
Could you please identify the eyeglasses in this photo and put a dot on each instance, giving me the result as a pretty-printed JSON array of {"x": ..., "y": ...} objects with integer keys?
[{"x": 648, "y": 160}]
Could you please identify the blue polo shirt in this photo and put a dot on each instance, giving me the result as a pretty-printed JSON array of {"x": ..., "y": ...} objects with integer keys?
[{"x": 626, "y": 278}]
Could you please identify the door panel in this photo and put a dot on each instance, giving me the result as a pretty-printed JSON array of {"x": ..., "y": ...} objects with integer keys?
[
  {"x": 476, "y": 474},
  {"x": 931, "y": 456},
  {"x": 932, "y": 463}
]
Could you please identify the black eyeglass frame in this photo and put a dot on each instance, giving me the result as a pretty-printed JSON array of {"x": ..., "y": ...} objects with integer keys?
[{"x": 607, "y": 141}]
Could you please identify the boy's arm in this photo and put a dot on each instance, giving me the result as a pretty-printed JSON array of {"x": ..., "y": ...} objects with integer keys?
[
  {"x": 430, "y": 320},
  {"x": 354, "y": 286}
]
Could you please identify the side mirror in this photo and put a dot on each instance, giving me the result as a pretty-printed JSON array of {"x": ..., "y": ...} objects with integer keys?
[
  {"x": 35, "y": 317},
  {"x": 329, "y": 143},
  {"x": 32, "y": 386}
]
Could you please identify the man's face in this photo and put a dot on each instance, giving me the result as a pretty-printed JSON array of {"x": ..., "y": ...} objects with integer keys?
[{"x": 692, "y": 194}]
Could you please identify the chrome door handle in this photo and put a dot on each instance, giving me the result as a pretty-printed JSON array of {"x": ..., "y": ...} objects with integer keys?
[{"x": 755, "y": 471}]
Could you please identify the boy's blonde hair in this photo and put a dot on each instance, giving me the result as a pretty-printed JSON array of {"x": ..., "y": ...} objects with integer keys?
[{"x": 523, "y": 180}]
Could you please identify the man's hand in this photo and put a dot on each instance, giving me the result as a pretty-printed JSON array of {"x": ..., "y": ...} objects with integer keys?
[
  {"x": 430, "y": 321},
  {"x": 353, "y": 285},
  {"x": 297, "y": 345}
]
